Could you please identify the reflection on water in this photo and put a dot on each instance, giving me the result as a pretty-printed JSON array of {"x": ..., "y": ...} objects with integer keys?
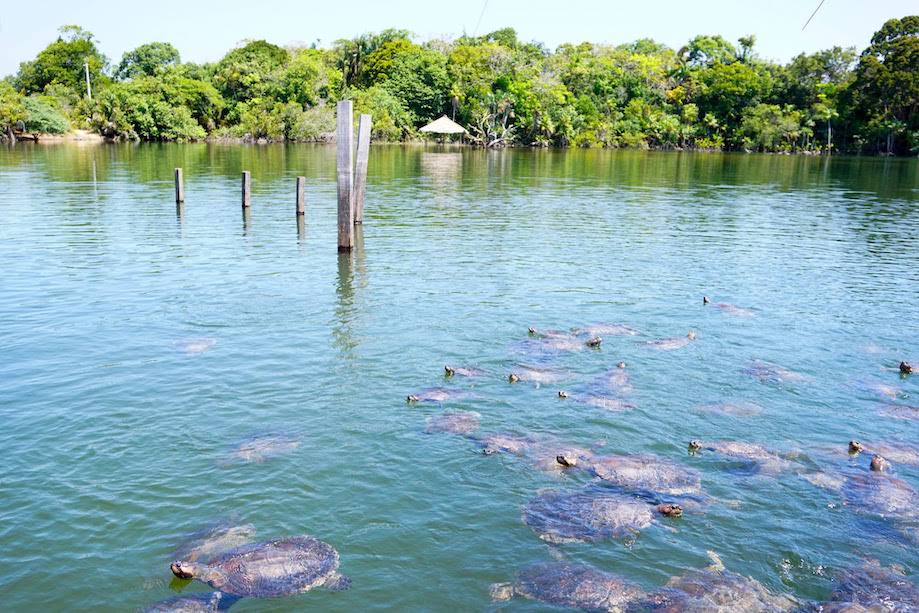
[{"x": 114, "y": 435}]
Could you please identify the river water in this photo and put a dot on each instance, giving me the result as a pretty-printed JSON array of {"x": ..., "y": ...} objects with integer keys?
[{"x": 142, "y": 345}]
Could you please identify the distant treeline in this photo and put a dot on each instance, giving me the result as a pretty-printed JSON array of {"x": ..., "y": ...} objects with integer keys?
[{"x": 709, "y": 94}]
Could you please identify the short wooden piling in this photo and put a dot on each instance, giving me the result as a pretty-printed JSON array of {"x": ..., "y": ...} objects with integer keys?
[
  {"x": 247, "y": 189},
  {"x": 180, "y": 186},
  {"x": 301, "y": 196},
  {"x": 360, "y": 171},
  {"x": 344, "y": 135}
]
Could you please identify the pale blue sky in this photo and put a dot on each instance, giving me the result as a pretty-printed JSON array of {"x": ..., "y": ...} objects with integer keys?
[{"x": 204, "y": 31}]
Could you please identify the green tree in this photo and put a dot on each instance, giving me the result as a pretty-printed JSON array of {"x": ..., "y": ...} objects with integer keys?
[
  {"x": 12, "y": 109},
  {"x": 62, "y": 61},
  {"x": 250, "y": 71},
  {"x": 416, "y": 75},
  {"x": 147, "y": 60}
]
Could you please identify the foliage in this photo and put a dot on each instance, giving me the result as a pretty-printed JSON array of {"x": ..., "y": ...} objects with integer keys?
[
  {"x": 147, "y": 60},
  {"x": 12, "y": 108},
  {"x": 43, "y": 117},
  {"x": 62, "y": 61}
]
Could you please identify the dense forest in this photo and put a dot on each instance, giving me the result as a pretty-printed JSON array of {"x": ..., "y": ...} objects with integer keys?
[{"x": 710, "y": 94}]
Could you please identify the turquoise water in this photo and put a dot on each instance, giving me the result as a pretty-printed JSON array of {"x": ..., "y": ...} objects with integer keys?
[{"x": 140, "y": 346}]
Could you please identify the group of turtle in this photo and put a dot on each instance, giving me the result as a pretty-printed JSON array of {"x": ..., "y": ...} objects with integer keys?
[{"x": 632, "y": 493}]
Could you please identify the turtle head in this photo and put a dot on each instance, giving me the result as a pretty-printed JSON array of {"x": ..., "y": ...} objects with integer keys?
[
  {"x": 670, "y": 510},
  {"x": 184, "y": 570},
  {"x": 694, "y": 445},
  {"x": 532, "y": 331},
  {"x": 855, "y": 447},
  {"x": 449, "y": 372},
  {"x": 566, "y": 460},
  {"x": 691, "y": 336},
  {"x": 879, "y": 464},
  {"x": 594, "y": 342},
  {"x": 705, "y": 300},
  {"x": 562, "y": 394},
  {"x": 513, "y": 378},
  {"x": 412, "y": 398},
  {"x": 906, "y": 368},
  {"x": 620, "y": 365}
]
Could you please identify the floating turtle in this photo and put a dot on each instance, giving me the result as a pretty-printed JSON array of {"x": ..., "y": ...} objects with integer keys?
[
  {"x": 280, "y": 567},
  {"x": 616, "y": 380},
  {"x": 454, "y": 422},
  {"x": 215, "y": 539},
  {"x": 557, "y": 457},
  {"x": 901, "y": 411},
  {"x": 766, "y": 372},
  {"x": 882, "y": 495},
  {"x": 715, "y": 590},
  {"x": 608, "y": 330},
  {"x": 463, "y": 371},
  {"x": 438, "y": 394},
  {"x": 645, "y": 473},
  {"x": 733, "y": 408},
  {"x": 606, "y": 403},
  {"x": 730, "y": 309},
  {"x": 877, "y": 388},
  {"x": 764, "y": 460},
  {"x": 201, "y": 602},
  {"x": 262, "y": 447},
  {"x": 898, "y": 453},
  {"x": 570, "y": 585},
  {"x": 591, "y": 514},
  {"x": 537, "y": 375},
  {"x": 669, "y": 344},
  {"x": 504, "y": 443},
  {"x": 193, "y": 346},
  {"x": 874, "y": 588}
]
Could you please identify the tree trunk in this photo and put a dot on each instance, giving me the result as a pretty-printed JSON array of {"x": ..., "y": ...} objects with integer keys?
[
  {"x": 829, "y": 137},
  {"x": 11, "y": 135}
]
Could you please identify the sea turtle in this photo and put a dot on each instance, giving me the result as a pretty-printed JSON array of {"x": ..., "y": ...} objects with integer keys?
[
  {"x": 537, "y": 375},
  {"x": 201, "y": 602},
  {"x": 669, "y": 344},
  {"x": 575, "y": 586},
  {"x": 463, "y": 371},
  {"x": 733, "y": 408},
  {"x": 214, "y": 539},
  {"x": 906, "y": 368},
  {"x": 875, "y": 588},
  {"x": 607, "y": 403},
  {"x": 261, "y": 447},
  {"x": 454, "y": 422},
  {"x": 608, "y": 330},
  {"x": 550, "y": 456},
  {"x": 877, "y": 388},
  {"x": 279, "y": 567},
  {"x": 645, "y": 473},
  {"x": 896, "y": 452},
  {"x": 901, "y": 411},
  {"x": 715, "y": 590},
  {"x": 730, "y": 309},
  {"x": 882, "y": 495},
  {"x": 591, "y": 514},
  {"x": 438, "y": 394},
  {"x": 616, "y": 380},
  {"x": 766, "y": 372},
  {"x": 193, "y": 346},
  {"x": 504, "y": 443},
  {"x": 879, "y": 464},
  {"x": 765, "y": 461}
]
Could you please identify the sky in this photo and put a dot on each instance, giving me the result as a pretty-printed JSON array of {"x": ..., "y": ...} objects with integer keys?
[{"x": 204, "y": 31}]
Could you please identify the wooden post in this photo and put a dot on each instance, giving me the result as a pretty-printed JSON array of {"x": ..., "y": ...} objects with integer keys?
[
  {"x": 247, "y": 189},
  {"x": 180, "y": 186},
  {"x": 360, "y": 172},
  {"x": 344, "y": 136},
  {"x": 301, "y": 196}
]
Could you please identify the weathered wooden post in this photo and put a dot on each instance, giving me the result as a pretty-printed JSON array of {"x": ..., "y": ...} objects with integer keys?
[
  {"x": 247, "y": 189},
  {"x": 360, "y": 172},
  {"x": 344, "y": 137},
  {"x": 180, "y": 187},
  {"x": 301, "y": 196}
]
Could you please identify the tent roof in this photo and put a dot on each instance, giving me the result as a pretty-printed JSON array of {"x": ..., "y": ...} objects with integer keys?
[{"x": 444, "y": 126}]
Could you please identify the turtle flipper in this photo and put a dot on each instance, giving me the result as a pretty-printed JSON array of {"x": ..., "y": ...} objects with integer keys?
[
  {"x": 501, "y": 591},
  {"x": 337, "y": 582}
]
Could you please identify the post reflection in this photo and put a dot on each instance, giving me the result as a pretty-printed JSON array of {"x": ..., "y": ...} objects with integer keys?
[{"x": 349, "y": 263}]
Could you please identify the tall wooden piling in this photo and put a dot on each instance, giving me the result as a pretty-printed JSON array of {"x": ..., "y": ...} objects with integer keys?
[
  {"x": 360, "y": 171},
  {"x": 301, "y": 196},
  {"x": 180, "y": 186},
  {"x": 344, "y": 136},
  {"x": 247, "y": 189}
]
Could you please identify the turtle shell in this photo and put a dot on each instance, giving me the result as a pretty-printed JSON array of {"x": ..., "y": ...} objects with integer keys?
[
  {"x": 576, "y": 586},
  {"x": 646, "y": 473},
  {"x": 586, "y": 515}
]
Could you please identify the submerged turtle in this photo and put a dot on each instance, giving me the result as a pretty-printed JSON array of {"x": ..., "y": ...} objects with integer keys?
[
  {"x": 280, "y": 567},
  {"x": 901, "y": 411},
  {"x": 463, "y": 371},
  {"x": 898, "y": 453},
  {"x": 437, "y": 394},
  {"x": 591, "y": 514},
  {"x": 669, "y": 344},
  {"x": 608, "y": 329},
  {"x": 537, "y": 375},
  {"x": 607, "y": 403},
  {"x": 504, "y": 443},
  {"x": 882, "y": 495},
  {"x": 201, "y": 602},
  {"x": 616, "y": 380},
  {"x": 262, "y": 447},
  {"x": 454, "y": 422},
  {"x": 570, "y": 585},
  {"x": 874, "y": 588},
  {"x": 645, "y": 473},
  {"x": 193, "y": 346},
  {"x": 764, "y": 460},
  {"x": 766, "y": 372},
  {"x": 730, "y": 309},
  {"x": 215, "y": 539},
  {"x": 736, "y": 409},
  {"x": 715, "y": 590}
]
